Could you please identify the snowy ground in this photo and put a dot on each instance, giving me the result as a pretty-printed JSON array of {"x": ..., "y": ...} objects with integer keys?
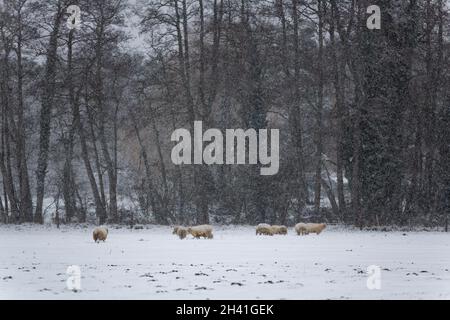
[{"x": 236, "y": 264}]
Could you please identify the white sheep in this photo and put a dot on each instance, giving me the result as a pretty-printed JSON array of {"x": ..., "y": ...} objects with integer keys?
[
  {"x": 100, "y": 234},
  {"x": 264, "y": 229},
  {"x": 202, "y": 231},
  {"x": 307, "y": 228}
]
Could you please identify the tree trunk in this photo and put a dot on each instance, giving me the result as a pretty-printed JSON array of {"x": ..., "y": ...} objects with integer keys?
[
  {"x": 319, "y": 148},
  {"x": 161, "y": 217},
  {"x": 99, "y": 97},
  {"x": 98, "y": 165},
  {"x": 26, "y": 205},
  {"x": 185, "y": 72},
  {"x": 295, "y": 121},
  {"x": 3, "y": 214},
  {"x": 338, "y": 72},
  {"x": 5, "y": 162},
  {"x": 178, "y": 171},
  {"x": 46, "y": 114},
  {"x": 99, "y": 204},
  {"x": 68, "y": 185}
]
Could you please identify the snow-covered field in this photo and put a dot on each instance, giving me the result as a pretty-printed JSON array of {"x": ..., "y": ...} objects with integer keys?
[{"x": 236, "y": 264}]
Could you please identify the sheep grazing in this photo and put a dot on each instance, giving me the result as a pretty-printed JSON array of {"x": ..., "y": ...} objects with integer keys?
[
  {"x": 279, "y": 230},
  {"x": 203, "y": 231},
  {"x": 181, "y": 232},
  {"x": 100, "y": 234},
  {"x": 264, "y": 229},
  {"x": 307, "y": 228},
  {"x": 175, "y": 229}
]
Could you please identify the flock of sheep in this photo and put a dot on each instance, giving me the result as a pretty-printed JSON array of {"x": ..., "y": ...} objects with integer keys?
[
  {"x": 300, "y": 228},
  {"x": 203, "y": 231},
  {"x": 206, "y": 231}
]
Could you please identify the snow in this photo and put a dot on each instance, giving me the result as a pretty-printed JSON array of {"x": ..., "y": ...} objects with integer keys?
[{"x": 236, "y": 264}]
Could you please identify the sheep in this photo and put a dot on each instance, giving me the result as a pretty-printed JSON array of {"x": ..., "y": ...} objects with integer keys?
[
  {"x": 300, "y": 228},
  {"x": 181, "y": 232},
  {"x": 175, "y": 229},
  {"x": 100, "y": 234},
  {"x": 264, "y": 229},
  {"x": 203, "y": 231},
  {"x": 307, "y": 228},
  {"x": 279, "y": 230},
  {"x": 316, "y": 228}
]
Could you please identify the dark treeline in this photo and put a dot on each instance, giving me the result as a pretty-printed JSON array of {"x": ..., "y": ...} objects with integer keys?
[{"x": 87, "y": 113}]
